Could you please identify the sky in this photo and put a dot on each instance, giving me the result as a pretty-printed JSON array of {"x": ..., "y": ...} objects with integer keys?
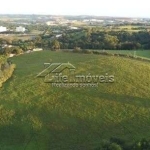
[{"x": 117, "y": 8}]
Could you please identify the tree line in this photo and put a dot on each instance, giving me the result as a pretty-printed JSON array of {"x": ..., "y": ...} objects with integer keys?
[
  {"x": 109, "y": 40},
  {"x": 85, "y": 38}
]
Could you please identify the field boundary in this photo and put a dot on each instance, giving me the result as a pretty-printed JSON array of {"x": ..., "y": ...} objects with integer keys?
[{"x": 97, "y": 52}]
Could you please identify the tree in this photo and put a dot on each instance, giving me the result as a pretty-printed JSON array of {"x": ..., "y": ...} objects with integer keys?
[
  {"x": 114, "y": 146},
  {"x": 17, "y": 50},
  {"x": 110, "y": 41},
  {"x": 7, "y": 50},
  {"x": 55, "y": 45},
  {"x": 38, "y": 41},
  {"x": 77, "y": 49}
]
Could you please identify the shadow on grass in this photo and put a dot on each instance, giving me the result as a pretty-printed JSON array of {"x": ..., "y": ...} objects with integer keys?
[{"x": 126, "y": 99}]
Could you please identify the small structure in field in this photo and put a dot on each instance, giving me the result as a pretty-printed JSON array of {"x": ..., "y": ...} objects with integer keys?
[
  {"x": 12, "y": 55},
  {"x": 37, "y": 49},
  {"x": 28, "y": 51}
]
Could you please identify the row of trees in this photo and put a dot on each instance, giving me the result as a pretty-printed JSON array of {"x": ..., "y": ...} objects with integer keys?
[
  {"x": 89, "y": 39},
  {"x": 86, "y": 39},
  {"x": 95, "y": 39}
]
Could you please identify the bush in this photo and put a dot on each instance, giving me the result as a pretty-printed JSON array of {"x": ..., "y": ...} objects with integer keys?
[
  {"x": 77, "y": 50},
  {"x": 114, "y": 146},
  {"x": 87, "y": 51},
  {"x": 6, "y": 70}
]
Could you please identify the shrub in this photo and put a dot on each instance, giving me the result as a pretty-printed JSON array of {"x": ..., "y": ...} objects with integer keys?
[
  {"x": 87, "y": 51},
  {"x": 114, "y": 146},
  {"x": 77, "y": 50}
]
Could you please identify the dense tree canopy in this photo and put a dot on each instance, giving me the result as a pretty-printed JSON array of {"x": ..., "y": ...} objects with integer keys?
[{"x": 85, "y": 38}]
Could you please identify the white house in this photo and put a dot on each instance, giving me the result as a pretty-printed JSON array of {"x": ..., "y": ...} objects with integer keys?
[
  {"x": 20, "y": 29},
  {"x": 3, "y": 29}
]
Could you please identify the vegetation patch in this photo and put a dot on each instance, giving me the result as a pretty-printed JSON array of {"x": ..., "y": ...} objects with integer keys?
[{"x": 6, "y": 69}]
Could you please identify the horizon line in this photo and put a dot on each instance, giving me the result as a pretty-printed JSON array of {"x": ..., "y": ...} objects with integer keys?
[{"x": 74, "y": 15}]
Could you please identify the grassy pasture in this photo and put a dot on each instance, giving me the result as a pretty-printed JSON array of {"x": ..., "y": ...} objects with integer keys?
[{"x": 36, "y": 116}]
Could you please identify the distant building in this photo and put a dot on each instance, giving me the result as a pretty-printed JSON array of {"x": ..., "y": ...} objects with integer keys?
[
  {"x": 51, "y": 23},
  {"x": 20, "y": 29},
  {"x": 11, "y": 55},
  {"x": 58, "y": 35},
  {"x": 86, "y": 20},
  {"x": 3, "y": 29},
  {"x": 74, "y": 28},
  {"x": 10, "y": 46},
  {"x": 37, "y": 49}
]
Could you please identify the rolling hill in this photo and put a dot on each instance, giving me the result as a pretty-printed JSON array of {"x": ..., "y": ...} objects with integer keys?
[{"x": 36, "y": 116}]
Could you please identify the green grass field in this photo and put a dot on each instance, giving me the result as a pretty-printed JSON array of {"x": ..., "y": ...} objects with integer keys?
[
  {"x": 140, "y": 53},
  {"x": 36, "y": 116}
]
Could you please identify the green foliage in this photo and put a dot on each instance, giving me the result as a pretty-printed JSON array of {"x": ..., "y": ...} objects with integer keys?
[
  {"x": 97, "y": 38},
  {"x": 141, "y": 145},
  {"x": 77, "y": 50},
  {"x": 119, "y": 144},
  {"x": 12, "y": 50},
  {"x": 110, "y": 41},
  {"x": 101, "y": 39},
  {"x": 6, "y": 69},
  {"x": 55, "y": 45},
  {"x": 114, "y": 146},
  {"x": 17, "y": 50}
]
